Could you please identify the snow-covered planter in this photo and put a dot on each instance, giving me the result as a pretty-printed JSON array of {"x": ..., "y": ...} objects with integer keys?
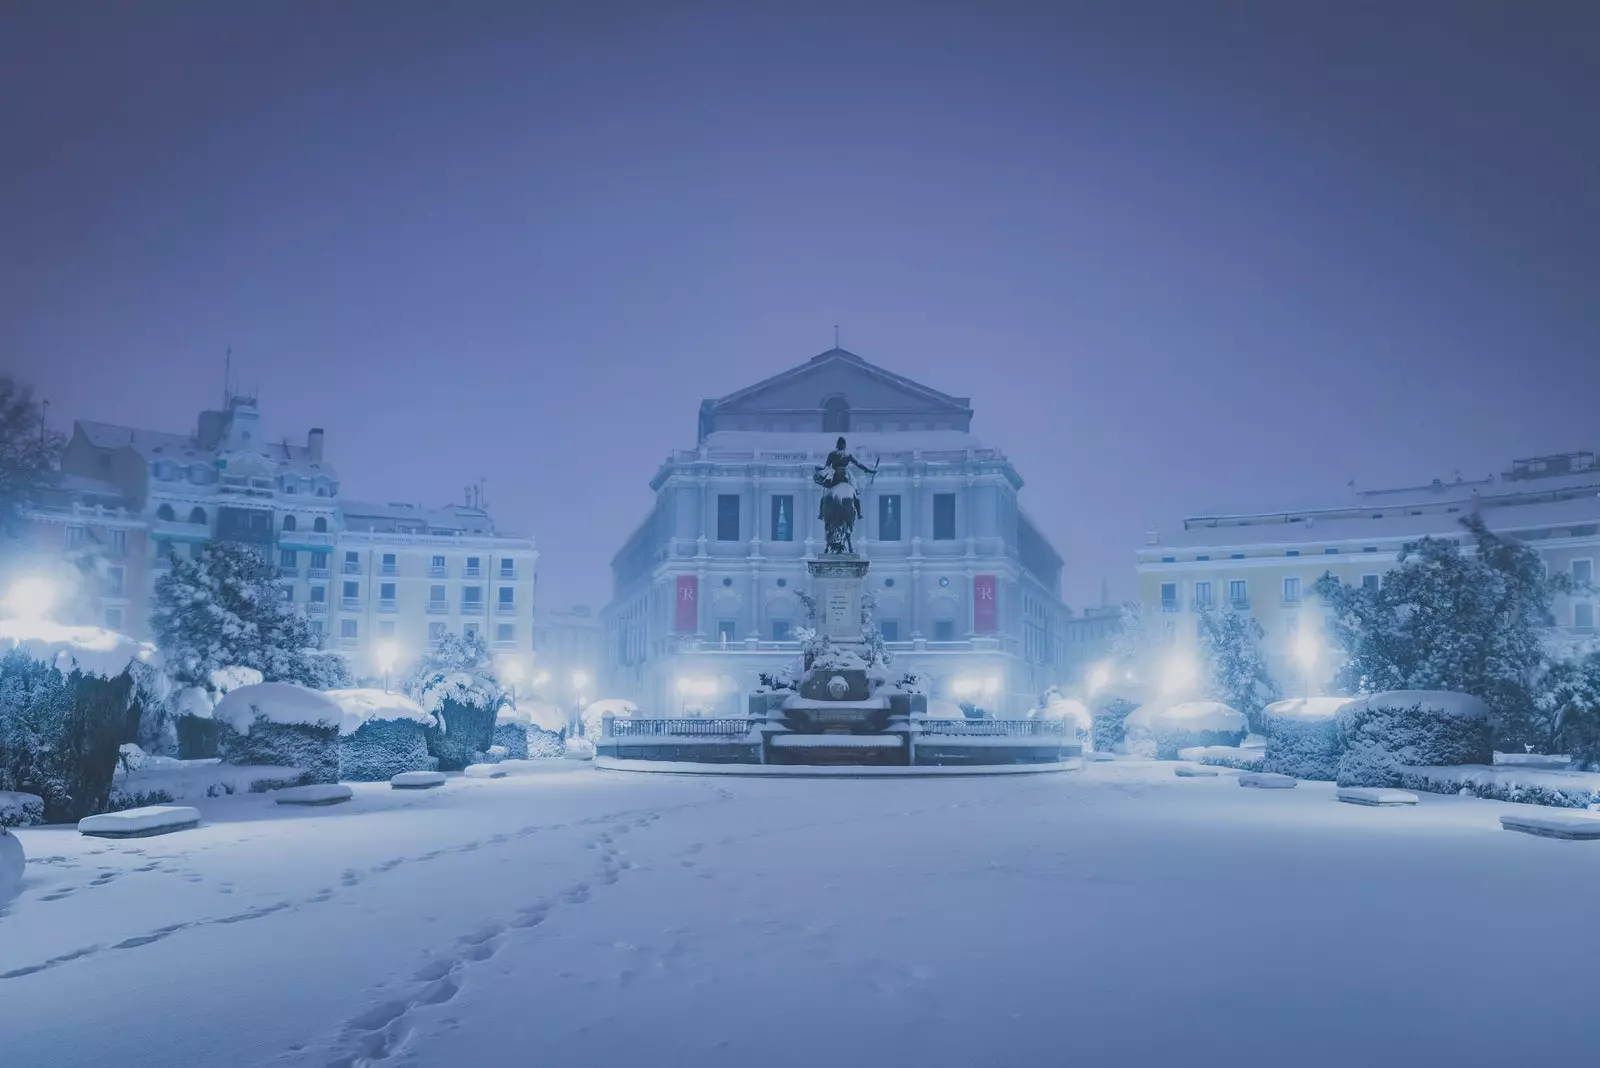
[
  {"x": 381, "y": 734},
  {"x": 1386, "y": 731},
  {"x": 61, "y": 725},
  {"x": 531, "y": 728},
  {"x": 20, "y": 810},
  {"x": 1303, "y": 737},
  {"x": 283, "y": 724},
  {"x": 1160, "y": 730}
]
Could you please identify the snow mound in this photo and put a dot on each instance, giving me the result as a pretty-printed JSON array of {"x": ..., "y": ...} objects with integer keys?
[
  {"x": 1068, "y": 709},
  {"x": 283, "y": 703},
  {"x": 534, "y": 713},
  {"x": 12, "y": 861},
  {"x": 225, "y": 680},
  {"x": 1444, "y": 703},
  {"x": 322, "y": 793},
  {"x": 140, "y": 822},
  {"x": 20, "y": 810},
  {"x": 1570, "y": 826},
  {"x": 484, "y": 771},
  {"x": 579, "y": 749},
  {"x": 1267, "y": 780},
  {"x": 939, "y": 708},
  {"x": 361, "y": 705},
  {"x": 1308, "y": 708},
  {"x": 1375, "y": 796},
  {"x": 417, "y": 780},
  {"x": 193, "y": 701},
  {"x": 92, "y": 650},
  {"x": 1188, "y": 716}
]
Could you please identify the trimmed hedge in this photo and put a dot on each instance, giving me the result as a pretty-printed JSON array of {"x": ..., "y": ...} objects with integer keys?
[
  {"x": 1490, "y": 786},
  {"x": 380, "y": 749},
  {"x": 1164, "y": 744},
  {"x": 1307, "y": 748},
  {"x": 60, "y": 735},
  {"x": 467, "y": 734},
  {"x": 198, "y": 739},
  {"x": 1385, "y": 732},
  {"x": 20, "y": 810},
  {"x": 312, "y": 749},
  {"x": 514, "y": 737}
]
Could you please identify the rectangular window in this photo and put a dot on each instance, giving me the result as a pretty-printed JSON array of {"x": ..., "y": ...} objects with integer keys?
[
  {"x": 385, "y": 628},
  {"x": 113, "y": 618},
  {"x": 505, "y": 632},
  {"x": 782, "y": 630},
  {"x": 890, "y": 630},
  {"x": 508, "y": 567},
  {"x": 889, "y": 517},
  {"x": 288, "y": 592},
  {"x": 436, "y": 632},
  {"x": 436, "y": 567},
  {"x": 508, "y": 596},
  {"x": 347, "y": 628},
  {"x": 1202, "y": 595},
  {"x": 390, "y": 564},
  {"x": 316, "y": 627},
  {"x": 1291, "y": 552},
  {"x": 319, "y": 558},
  {"x": 473, "y": 567},
  {"x": 288, "y": 558},
  {"x": 436, "y": 595},
  {"x": 386, "y": 591},
  {"x": 352, "y": 558},
  {"x": 1371, "y": 582},
  {"x": 944, "y": 630},
  {"x": 725, "y": 630},
  {"x": 782, "y": 517},
  {"x": 352, "y": 591},
  {"x": 114, "y": 580},
  {"x": 1582, "y": 572},
  {"x": 119, "y": 541},
  {"x": 944, "y": 517},
  {"x": 74, "y": 537},
  {"x": 471, "y": 595},
  {"x": 319, "y": 594},
  {"x": 1291, "y": 589},
  {"x": 1583, "y": 616},
  {"x": 1169, "y": 596},
  {"x": 727, "y": 517},
  {"x": 1239, "y": 593}
]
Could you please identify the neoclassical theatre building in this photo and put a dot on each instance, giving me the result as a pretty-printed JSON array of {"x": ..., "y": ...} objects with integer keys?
[{"x": 705, "y": 589}]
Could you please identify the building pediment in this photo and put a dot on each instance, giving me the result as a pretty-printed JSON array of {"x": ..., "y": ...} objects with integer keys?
[{"x": 836, "y": 390}]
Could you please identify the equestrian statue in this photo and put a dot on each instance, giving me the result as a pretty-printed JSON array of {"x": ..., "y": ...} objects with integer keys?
[{"x": 841, "y": 505}]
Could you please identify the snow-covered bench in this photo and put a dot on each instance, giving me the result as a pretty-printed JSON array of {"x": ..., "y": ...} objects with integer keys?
[
  {"x": 484, "y": 771},
  {"x": 1376, "y": 796},
  {"x": 417, "y": 780},
  {"x": 140, "y": 822},
  {"x": 1267, "y": 780},
  {"x": 1568, "y": 825},
  {"x": 1191, "y": 771},
  {"x": 322, "y": 793}
]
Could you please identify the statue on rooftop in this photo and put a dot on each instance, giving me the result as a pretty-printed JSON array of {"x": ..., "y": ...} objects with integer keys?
[{"x": 841, "y": 505}]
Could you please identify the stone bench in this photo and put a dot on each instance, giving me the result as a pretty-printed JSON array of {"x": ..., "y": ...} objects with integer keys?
[
  {"x": 417, "y": 780},
  {"x": 1191, "y": 771},
  {"x": 484, "y": 771},
  {"x": 1375, "y": 796},
  {"x": 140, "y": 822},
  {"x": 323, "y": 793},
  {"x": 1267, "y": 780},
  {"x": 1569, "y": 826}
]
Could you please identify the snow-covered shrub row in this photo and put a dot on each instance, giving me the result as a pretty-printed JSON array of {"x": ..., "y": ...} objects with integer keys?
[
  {"x": 1385, "y": 731},
  {"x": 20, "y": 810},
  {"x": 60, "y": 732},
  {"x": 464, "y": 734},
  {"x": 1303, "y": 738},
  {"x": 1225, "y": 756},
  {"x": 283, "y": 724},
  {"x": 380, "y": 749},
  {"x": 1160, "y": 730},
  {"x": 1110, "y": 723},
  {"x": 512, "y": 738},
  {"x": 1520, "y": 785}
]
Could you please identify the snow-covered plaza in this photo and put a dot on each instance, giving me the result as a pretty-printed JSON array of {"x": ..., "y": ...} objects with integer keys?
[{"x": 578, "y": 916}]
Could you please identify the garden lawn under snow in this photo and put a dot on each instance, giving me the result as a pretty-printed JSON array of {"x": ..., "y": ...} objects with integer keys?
[{"x": 1112, "y": 916}]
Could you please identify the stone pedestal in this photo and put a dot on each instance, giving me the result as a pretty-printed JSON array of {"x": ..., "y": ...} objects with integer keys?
[{"x": 838, "y": 581}]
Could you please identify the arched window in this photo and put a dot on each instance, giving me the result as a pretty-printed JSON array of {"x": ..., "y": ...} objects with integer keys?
[
  {"x": 165, "y": 513},
  {"x": 198, "y": 515},
  {"x": 320, "y": 525},
  {"x": 288, "y": 522},
  {"x": 835, "y": 415}
]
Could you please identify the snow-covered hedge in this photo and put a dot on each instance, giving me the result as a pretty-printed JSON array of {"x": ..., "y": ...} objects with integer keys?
[
  {"x": 283, "y": 724},
  {"x": 1385, "y": 731},
  {"x": 1528, "y": 786},
  {"x": 1160, "y": 730},
  {"x": 20, "y": 810},
  {"x": 60, "y": 731},
  {"x": 381, "y": 734},
  {"x": 1303, "y": 737},
  {"x": 1225, "y": 756},
  {"x": 465, "y": 732},
  {"x": 529, "y": 729}
]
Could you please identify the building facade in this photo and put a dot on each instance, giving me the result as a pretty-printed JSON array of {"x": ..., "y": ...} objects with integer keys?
[
  {"x": 1267, "y": 563},
  {"x": 709, "y": 591},
  {"x": 391, "y": 577}
]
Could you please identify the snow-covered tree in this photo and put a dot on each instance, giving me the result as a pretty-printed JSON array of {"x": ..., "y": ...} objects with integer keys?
[
  {"x": 459, "y": 668},
  {"x": 1141, "y": 642},
  {"x": 1235, "y": 670},
  {"x": 226, "y": 609},
  {"x": 1448, "y": 620},
  {"x": 1569, "y": 698},
  {"x": 28, "y": 453}
]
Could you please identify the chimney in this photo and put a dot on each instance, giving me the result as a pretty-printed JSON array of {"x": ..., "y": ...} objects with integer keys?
[{"x": 314, "y": 444}]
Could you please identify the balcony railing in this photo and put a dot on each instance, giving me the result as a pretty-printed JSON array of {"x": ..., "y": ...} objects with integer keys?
[
  {"x": 317, "y": 572},
  {"x": 436, "y": 571},
  {"x": 472, "y": 572},
  {"x": 508, "y": 573},
  {"x": 317, "y": 608},
  {"x": 1241, "y": 603},
  {"x": 438, "y": 608},
  {"x": 351, "y": 567},
  {"x": 350, "y": 604},
  {"x": 388, "y": 570},
  {"x": 506, "y": 608},
  {"x": 387, "y": 604},
  {"x": 288, "y": 570},
  {"x": 472, "y": 608}
]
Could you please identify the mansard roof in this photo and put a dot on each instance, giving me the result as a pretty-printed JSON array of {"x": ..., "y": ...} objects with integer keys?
[{"x": 865, "y": 389}]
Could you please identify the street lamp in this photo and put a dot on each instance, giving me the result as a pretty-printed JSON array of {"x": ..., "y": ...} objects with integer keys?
[
  {"x": 31, "y": 598},
  {"x": 388, "y": 655}
]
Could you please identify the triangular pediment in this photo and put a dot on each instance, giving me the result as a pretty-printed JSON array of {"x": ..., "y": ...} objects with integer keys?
[{"x": 836, "y": 379}]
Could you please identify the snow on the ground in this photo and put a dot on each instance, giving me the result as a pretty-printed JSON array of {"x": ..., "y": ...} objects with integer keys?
[{"x": 597, "y": 918}]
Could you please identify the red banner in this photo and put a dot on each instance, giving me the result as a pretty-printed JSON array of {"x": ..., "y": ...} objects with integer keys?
[
  {"x": 688, "y": 616},
  {"x": 985, "y": 608}
]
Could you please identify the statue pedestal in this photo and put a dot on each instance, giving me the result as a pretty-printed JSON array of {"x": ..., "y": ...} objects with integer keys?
[{"x": 838, "y": 580}]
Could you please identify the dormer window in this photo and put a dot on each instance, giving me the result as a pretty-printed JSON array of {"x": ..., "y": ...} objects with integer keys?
[{"x": 836, "y": 415}]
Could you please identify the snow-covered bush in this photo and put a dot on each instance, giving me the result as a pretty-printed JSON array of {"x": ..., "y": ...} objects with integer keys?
[
  {"x": 12, "y": 862},
  {"x": 1109, "y": 728},
  {"x": 1570, "y": 698},
  {"x": 381, "y": 735},
  {"x": 457, "y": 682},
  {"x": 1059, "y": 707},
  {"x": 531, "y": 728},
  {"x": 20, "y": 810},
  {"x": 1303, "y": 738},
  {"x": 1225, "y": 756},
  {"x": 282, "y": 724},
  {"x": 1385, "y": 731},
  {"x": 578, "y": 749},
  {"x": 1526, "y": 786},
  {"x": 465, "y": 732},
  {"x": 1160, "y": 730}
]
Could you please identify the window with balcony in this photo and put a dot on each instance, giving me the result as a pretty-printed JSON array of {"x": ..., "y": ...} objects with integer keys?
[
  {"x": 889, "y": 517},
  {"x": 727, "y": 517},
  {"x": 436, "y": 632},
  {"x": 508, "y": 598},
  {"x": 288, "y": 559},
  {"x": 1202, "y": 596},
  {"x": 320, "y": 525},
  {"x": 782, "y": 517},
  {"x": 508, "y": 568},
  {"x": 469, "y": 630},
  {"x": 726, "y": 631},
  {"x": 1582, "y": 572},
  {"x": 436, "y": 567},
  {"x": 472, "y": 599},
  {"x": 386, "y": 598},
  {"x": 352, "y": 595},
  {"x": 319, "y": 563},
  {"x": 1291, "y": 589},
  {"x": 1239, "y": 593},
  {"x": 944, "y": 517},
  {"x": 389, "y": 565},
  {"x": 316, "y": 627},
  {"x": 352, "y": 563},
  {"x": 474, "y": 568},
  {"x": 319, "y": 594},
  {"x": 114, "y": 581},
  {"x": 944, "y": 630},
  {"x": 289, "y": 524},
  {"x": 436, "y": 599},
  {"x": 889, "y": 629},
  {"x": 347, "y": 628},
  {"x": 505, "y": 633},
  {"x": 782, "y": 630},
  {"x": 1169, "y": 596}
]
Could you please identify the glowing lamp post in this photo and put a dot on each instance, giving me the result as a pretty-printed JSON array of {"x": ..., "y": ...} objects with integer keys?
[
  {"x": 31, "y": 598},
  {"x": 388, "y": 656}
]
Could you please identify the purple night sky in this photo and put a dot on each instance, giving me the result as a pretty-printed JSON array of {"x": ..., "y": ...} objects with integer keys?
[{"x": 1182, "y": 256}]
